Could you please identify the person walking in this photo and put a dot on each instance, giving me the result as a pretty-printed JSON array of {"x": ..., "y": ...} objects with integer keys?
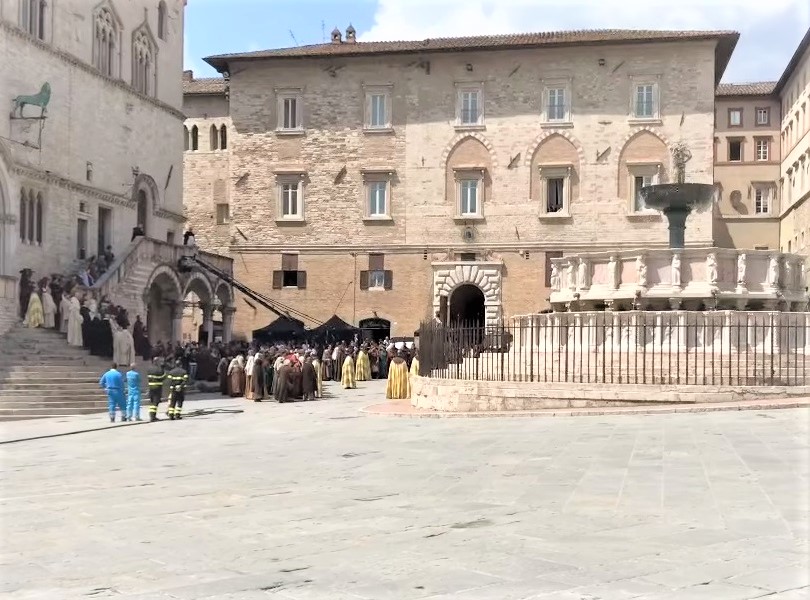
[
  {"x": 178, "y": 380},
  {"x": 155, "y": 378},
  {"x": 113, "y": 383},
  {"x": 347, "y": 373},
  {"x": 133, "y": 394}
]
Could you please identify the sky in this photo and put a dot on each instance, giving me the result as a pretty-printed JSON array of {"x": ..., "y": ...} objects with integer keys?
[{"x": 770, "y": 29}]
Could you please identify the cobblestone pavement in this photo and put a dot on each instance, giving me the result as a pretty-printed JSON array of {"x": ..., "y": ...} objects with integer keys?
[{"x": 316, "y": 501}]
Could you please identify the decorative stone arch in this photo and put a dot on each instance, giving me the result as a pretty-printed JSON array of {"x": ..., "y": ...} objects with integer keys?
[
  {"x": 224, "y": 293},
  {"x": 487, "y": 276},
  {"x": 171, "y": 275},
  {"x": 639, "y": 130},
  {"x": 530, "y": 151},
  {"x": 199, "y": 277},
  {"x": 458, "y": 138},
  {"x": 621, "y": 169}
]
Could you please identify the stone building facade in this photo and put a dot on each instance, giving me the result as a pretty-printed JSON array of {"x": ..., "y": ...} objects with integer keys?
[
  {"x": 88, "y": 151},
  {"x": 383, "y": 182}
]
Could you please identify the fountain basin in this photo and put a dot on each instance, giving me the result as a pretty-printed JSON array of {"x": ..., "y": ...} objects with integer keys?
[{"x": 677, "y": 201}]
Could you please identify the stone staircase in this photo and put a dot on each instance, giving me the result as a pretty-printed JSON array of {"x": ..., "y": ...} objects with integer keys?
[{"x": 41, "y": 376}]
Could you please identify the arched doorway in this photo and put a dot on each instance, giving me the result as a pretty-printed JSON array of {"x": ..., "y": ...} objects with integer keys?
[
  {"x": 143, "y": 207},
  {"x": 198, "y": 307},
  {"x": 375, "y": 329},
  {"x": 467, "y": 306},
  {"x": 164, "y": 306}
]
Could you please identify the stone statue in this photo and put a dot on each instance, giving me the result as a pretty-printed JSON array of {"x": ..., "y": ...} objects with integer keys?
[
  {"x": 582, "y": 274},
  {"x": 773, "y": 272},
  {"x": 555, "y": 278},
  {"x": 790, "y": 275},
  {"x": 613, "y": 272},
  {"x": 680, "y": 156},
  {"x": 641, "y": 269},
  {"x": 39, "y": 100},
  {"x": 676, "y": 269},
  {"x": 802, "y": 276},
  {"x": 741, "y": 258},
  {"x": 711, "y": 268},
  {"x": 570, "y": 276}
]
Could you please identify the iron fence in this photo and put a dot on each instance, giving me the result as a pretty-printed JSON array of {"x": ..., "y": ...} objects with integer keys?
[{"x": 635, "y": 347}]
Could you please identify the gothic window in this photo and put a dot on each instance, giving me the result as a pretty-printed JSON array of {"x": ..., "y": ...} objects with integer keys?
[
  {"x": 106, "y": 41},
  {"x": 185, "y": 137},
  {"x": 38, "y": 228},
  {"x": 195, "y": 138},
  {"x": 32, "y": 18},
  {"x": 23, "y": 215},
  {"x": 214, "y": 135},
  {"x": 143, "y": 62},
  {"x": 223, "y": 138},
  {"x": 31, "y": 216},
  {"x": 162, "y": 29}
]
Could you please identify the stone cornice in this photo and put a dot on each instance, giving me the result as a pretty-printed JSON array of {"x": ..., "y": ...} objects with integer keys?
[
  {"x": 366, "y": 247},
  {"x": 69, "y": 184},
  {"x": 79, "y": 64},
  {"x": 168, "y": 214}
]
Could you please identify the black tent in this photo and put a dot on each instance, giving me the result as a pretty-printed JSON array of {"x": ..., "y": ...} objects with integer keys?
[
  {"x": 283, "y": 328},
  {"x": 334, "y": 329}
]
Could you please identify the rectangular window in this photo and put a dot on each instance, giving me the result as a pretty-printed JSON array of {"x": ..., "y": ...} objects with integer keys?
[
  {"x": 378, "y": 116},
  {"x": 469, "y": 197},
  {"x": 735, "y": 117},
  {"x": 735, "y": 150},
  {"x": 290, "y": 205},
  {"x": 556, "y": 108},
  {"x": 290, "y": 110},
  {"x": 469, "y": 107},
  {"x": 223, "y": 214},
  {"x": 762, "y": 201},
  {"x": 467, "y": 256},
  {"x": 762, "y": 147},
  {"x": 377, "y": 277},
  {"x": 289, "y": 276},
  {"x": 645, "y": 101},
  {"x": 555, "y": 198},
  {"x": 763, "y": 116},
  {"x": 640, "y": 181},
  {"x": 290, "y": 113},
  {"x": 377, "y": 192}
]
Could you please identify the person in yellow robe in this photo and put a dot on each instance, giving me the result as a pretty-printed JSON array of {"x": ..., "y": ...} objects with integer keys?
[
  {"x": 362, "y": 370},
  {"x": 34, "y": 316},
  {"x": 347, "y": 379},
  {"x": 415, "y": 365},
  {"x": 398, "y": 386}
]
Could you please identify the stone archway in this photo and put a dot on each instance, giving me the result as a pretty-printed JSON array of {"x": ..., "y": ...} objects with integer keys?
[
  {"x": 486, "y": 276},
  {"x": 467, "y": 306},
  {"x": 164, "y": 308},
  {"x": 198, "y": 308}
]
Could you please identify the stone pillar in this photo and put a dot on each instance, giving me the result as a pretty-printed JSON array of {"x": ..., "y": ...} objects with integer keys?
[
  {"x": 682, "y": 340},
  {"x": 177, "y": 322},
  {"x": 208, "y": 321},
  {"x": 725, "y": 332},
  {"x": 227, "y": 323}
]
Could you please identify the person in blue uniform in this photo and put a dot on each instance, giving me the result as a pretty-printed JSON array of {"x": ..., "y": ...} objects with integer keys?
[
  {"x": 133, "y": 394},
  {"x": 113, "y": 383}
]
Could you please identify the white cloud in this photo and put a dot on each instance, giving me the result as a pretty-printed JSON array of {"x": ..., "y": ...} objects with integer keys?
[{"x": 419, "y": 19}]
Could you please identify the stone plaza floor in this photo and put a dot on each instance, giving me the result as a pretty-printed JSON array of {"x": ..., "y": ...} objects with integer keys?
[{"x": 248, "y": 501}]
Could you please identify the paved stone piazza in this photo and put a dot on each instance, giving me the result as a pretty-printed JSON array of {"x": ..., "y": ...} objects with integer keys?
[{"x": 246, "y": 501}]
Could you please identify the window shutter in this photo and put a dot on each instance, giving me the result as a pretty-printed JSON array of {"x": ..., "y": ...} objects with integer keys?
[
  {"x": 289, "y": 262},
  {"x": 388, "y": 283},
  {"x": 376, "y": 262},
  {"x": 302, "y": 280},
  {"x": 278, "y": 280},
  {"x": 363, "y": 280}
]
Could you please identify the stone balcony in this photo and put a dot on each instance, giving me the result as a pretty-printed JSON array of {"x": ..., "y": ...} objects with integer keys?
[{"x": 687, "y": 279}]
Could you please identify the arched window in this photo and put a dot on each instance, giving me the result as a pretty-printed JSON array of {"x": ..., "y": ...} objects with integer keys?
[
  {"x": 143, "y": 205},
  {"x": 32, "y": 18},
  {"x": 39, "y": 219},
  {"x": 162, "y": 20},
  {"x": 31, "y": 216},
  {"x": 23, "y": 213},
  {"x": 143, "y": 62},
  {"x": 195, "y": 138},
  {"x": 214, "y": 137},
  {"x": 185, "y": 137},
  {"x": 223, "y": 138},
  {"x": 105, "y": 42}
]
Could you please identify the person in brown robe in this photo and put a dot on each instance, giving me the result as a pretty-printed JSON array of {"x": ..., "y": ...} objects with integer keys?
[
  {"x": 338, "y": 364},
  {"x": 236, "y": 374},
  {"x": 283, "y": 385},
  {"x": 258, "y": 378},
  {"x": 297, "y": 383},
  {"x": 222, "y": 371},
  {"x": 309, "y": 379}
]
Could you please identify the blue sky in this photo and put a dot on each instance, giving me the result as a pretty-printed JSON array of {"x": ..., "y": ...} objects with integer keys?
[{"x": 770, "y": 30}]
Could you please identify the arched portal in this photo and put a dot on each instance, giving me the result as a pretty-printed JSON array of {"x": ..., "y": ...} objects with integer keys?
[
  {"x": 467, "y": 306},
  {"x": 164, "y": 306},
  {"x": 375, "y": 329},
  {"x": 198, "y": 307}
]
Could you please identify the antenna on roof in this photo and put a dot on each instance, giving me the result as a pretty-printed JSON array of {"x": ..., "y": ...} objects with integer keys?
[
  {"x": 292, "y": 35},
  {"x": 323, "y": 31}
]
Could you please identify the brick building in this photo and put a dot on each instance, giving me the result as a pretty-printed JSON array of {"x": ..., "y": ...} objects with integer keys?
[
  {"x": 384, "y": 182},
  {"x": 102, "y": 156}
]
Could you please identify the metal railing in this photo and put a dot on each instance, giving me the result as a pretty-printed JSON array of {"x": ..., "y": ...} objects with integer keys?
[{"x": 737, "y": 348}]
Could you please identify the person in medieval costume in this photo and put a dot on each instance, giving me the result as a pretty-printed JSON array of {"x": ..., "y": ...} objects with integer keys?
[
  {"x": 257, "y": 378},
  {"x": 338, "y": 358},
  {"x": 362, "y": 368},
  {"x": 326, "y": 363},
  {"x": 277, "y": 367},
  {"x": 64, "y": 312},
  {"x": 75, "y": 320},
  {"x": 398, "y": 386},
  {"x": 348, "y": 373},
  {"x": 282, "y": 382},
  {"x": 222, "y": 372},
  {"x": 309, "y": 380},
  {"x": 123, "y": 346},
  {"x": 48, "y": 307},
  {"x": 92, "y": 306},
  {"x": 251, "y": 359},
  {"x": 415, "y": 364},
  {"x": 383, "y": 352},
  {"x": 296, "y": 379},
  {"x": 316, "y": 364},
  {"x": 269, "y": 375},
  {"x": 142, "y": 347},
  {"x": 236, "y": 374},
  {"x": 34, "y": 316}
]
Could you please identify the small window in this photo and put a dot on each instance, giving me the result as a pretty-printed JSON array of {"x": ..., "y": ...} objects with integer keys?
[
  {"x": 290, "y": 116},
  {"x": 33, "y": 17},
  {"x": 735, "y": 150},
  {"x": 185, "y": 138},
  {"x": 644, "y": 105},
  {"x": 762, "y": 148},
  {"x": 467, "y": 256},
  {"x": 214, "y": 137},
  {"x": 290, "y": 202},
  {"x": 556, "y": 105},
  {"x": 290, "y": 279},
  {"x": 377, "y": 277},
  {"x": 378, "y": 204},
  {"x": 195, "y": 138},
  {"x": 639, "y": 182},
  {"x": 223, "y": 214},
  {"x": 555, "y": 190},
  {"x": 763, "y": 116},
  {"x": 762, "y": 201},
  {"x": 735, "y": 117},
  {"x": 289, "y": 276},
  {"x": 290, "y": 113},
  {"x": 469, "y": 197},
  {"x": 469, "y": 111},
  {"x": 170, "y": 237},
  {"x": 223, "y": 138},
  {"x": 555, "y": 194}
]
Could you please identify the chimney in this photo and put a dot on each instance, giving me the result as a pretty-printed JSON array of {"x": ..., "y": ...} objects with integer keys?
[
  {"x": 336, "y": 39},
  {"x": 188, "y": 75},
  {"x": 351, "y": 34}
]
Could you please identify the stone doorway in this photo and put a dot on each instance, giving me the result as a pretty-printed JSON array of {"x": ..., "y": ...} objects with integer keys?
[
  {"x": 467, "y": 306},
  {"x": 375, "y": 329},
  {"x": 484, "y": 276}
]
